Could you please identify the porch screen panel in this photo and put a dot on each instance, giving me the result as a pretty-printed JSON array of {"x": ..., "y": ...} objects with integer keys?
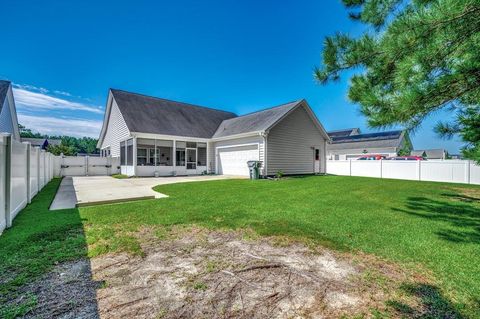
[
  {"x": 130, "y": 152},
  {"x": 122, "y": 154},
  {"x": 164, "y": 156},
  {"x": 202, "y": 156}
]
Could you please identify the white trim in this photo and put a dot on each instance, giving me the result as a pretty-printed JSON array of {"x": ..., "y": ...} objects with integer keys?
[
  {"x": 231, "y": 137},
  {"x": 169, "y": 137}
]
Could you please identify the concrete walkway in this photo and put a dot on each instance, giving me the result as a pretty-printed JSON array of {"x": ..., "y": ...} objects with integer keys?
[
  {"x": 65, "y": 197},
  {"x": 95, "y": 190}
]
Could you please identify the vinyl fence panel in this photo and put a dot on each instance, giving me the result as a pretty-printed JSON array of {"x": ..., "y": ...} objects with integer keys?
[
  {"x": 450, "y": 171},
  {"x": 41, "y": 170},
  {"x": 34, "y": 154},
  {"x": 366, "y": 168},
  {"x": 400, "y": 170},
  {"x": 18, "y": 179},
  {"x": 3, "y": 182}
]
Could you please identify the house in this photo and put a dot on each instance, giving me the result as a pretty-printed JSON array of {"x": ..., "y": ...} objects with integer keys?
[
  {"x": 8, "y": 112},
  {"x": 431, "y": 154},
  {"x": 41, "y": 142},
  {"x": 350, "y": 143},
  {"x": 159, "y": 137}
]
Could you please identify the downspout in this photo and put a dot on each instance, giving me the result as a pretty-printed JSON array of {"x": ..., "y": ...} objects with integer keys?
[{"x": 265, "y": 169}]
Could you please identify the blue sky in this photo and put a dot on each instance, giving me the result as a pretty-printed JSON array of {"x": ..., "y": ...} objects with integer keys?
[{"x": 240, "y": 56}]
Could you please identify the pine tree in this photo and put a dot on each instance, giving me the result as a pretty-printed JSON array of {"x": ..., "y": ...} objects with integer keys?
[{"x": 414, "y": 58}]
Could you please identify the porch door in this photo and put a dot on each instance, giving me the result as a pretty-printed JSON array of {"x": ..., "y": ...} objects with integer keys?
[
  {"x": 316, "y": 160},
  {"x": 191, "y": 160}
]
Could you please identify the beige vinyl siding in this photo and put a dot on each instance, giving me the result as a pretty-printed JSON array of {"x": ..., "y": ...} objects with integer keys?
[
  {"x": 238, "y": 141},
  {"x": 116, "y": 131},
  {"x": 290, "y": 142}
]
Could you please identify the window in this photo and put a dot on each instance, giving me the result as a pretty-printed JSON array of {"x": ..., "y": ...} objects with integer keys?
[
  {"x": 317, "y": 154},
  {"x": 180, "y": 157},
  {"x": 122, "y": 154},
  {"x": 202, "y": 156},
  {"x": 141, "y": 156}
]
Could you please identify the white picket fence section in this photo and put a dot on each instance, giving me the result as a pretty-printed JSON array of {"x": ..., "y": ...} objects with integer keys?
[
  {"x": 450, "y": 171},
  {"x": 24, "y": 171}
]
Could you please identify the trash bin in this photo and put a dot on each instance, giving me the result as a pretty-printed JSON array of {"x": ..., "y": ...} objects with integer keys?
[{"x": 254, "y": 169}]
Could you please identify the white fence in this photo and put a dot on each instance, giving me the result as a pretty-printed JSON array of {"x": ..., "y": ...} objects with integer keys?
[
  {"x": 24, "y": 171},
  {"x": 450, "y": 171},
  {"x": 86, "y": 166}
]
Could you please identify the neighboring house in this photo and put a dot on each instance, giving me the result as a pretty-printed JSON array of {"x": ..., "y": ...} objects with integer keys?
[
  {"x": 8, "y": 113},
  {"x": 350, "y": 143},
  {"x": 41, "y": 142},
  {"x": 431, "y": 154},
  {"x": 154, "y": 136}
]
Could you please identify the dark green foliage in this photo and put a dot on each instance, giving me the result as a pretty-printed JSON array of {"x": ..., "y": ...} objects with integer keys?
[
  {"x": 69, "y": 146},
  {"x": 61, "y": 149},
  {"x": 26, "y": 132},
  {"x": 415, "y": 57}
]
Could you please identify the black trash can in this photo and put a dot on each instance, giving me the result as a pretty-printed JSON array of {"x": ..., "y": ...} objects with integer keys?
[{"x": 254, "y": 169}]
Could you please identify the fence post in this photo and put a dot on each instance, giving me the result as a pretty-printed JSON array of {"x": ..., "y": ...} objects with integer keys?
[
  {"x": 86, "y": 165},
  {"x": 350, "y": 166},
  {"x": 467, "y": 171},
  {"x": 29, "y": 191},
  {"x": 8, "y": 175},
  {"x": 381, "y": 168},
  {"x": 419, "y": 170}
]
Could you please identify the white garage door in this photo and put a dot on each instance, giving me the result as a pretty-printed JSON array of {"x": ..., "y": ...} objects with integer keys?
[{"x": 233, "y": 160}]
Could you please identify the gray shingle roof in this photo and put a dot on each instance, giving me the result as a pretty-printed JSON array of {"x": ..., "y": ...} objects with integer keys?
[
  {"x": 365, "y": 141},
  {"x": 253, "y": 122},
  {"x": 432, "y": 153},
  {"x": 148, "y": 114},
  {"x": 41, "y": 141},
  {"x": 4, "y": 85},
  {"x": 344, "y": 132}
]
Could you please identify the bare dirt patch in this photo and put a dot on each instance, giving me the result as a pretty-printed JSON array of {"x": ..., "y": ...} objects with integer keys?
[
  {"x": 196, "y": 273},
  {"x": 199, "y": 273}
]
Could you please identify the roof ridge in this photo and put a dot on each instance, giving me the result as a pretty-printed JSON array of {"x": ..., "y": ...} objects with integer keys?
[
  {"x": 168, "y": 100},
  {"x": 268, "y": 108},
  {"x": 345, "y": 129}
]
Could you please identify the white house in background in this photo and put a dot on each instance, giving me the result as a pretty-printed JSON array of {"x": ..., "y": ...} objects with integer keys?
[
  {"x": 41, "y": 142},
  {"x": 154, "y": 136},
  {"x": 350, "y": 143},
  {"x": 8, "y": 112},
  {"x": 438, "y": 153}
]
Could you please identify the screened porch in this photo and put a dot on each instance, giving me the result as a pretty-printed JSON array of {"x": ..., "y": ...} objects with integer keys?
[{"x": 160, "y": 157}]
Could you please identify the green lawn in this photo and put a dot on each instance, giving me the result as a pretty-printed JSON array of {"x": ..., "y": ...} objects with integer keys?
[{"x": 431, "y": 227}]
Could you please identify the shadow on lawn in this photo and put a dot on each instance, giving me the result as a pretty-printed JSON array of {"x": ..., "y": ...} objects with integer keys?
[
  {"x": 432, "y": 303},
  {"x": 44, "y": 269},
  {"x": 463, "y": 215}
]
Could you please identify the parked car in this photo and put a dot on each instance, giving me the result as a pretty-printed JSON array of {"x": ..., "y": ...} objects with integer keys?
[
  {"x": 406, "y": 158},
  {"x": 373, "y": 157}
]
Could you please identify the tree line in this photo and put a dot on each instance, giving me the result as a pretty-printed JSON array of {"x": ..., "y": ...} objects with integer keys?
[{"x": 69, "y": 145}]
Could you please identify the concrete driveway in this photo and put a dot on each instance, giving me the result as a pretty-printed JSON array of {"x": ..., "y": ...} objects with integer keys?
[{"x": 94, "y": 190}]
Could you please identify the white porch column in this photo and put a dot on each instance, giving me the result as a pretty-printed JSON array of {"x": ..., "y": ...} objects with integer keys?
[
  {"x": 134, "y": 156},
  {"x": 174, "y": 158},
  {"x": 155, "y": 154},
  {"x": 208, "y": 157}
]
